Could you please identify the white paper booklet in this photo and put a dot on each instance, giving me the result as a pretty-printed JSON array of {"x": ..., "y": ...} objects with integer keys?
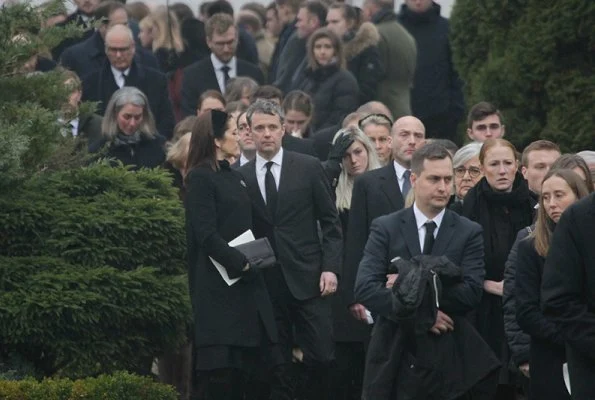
[{"x": 245, "y": 237}]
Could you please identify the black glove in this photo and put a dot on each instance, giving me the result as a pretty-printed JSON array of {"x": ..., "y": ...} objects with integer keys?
[{"x": 339, "y": 148}]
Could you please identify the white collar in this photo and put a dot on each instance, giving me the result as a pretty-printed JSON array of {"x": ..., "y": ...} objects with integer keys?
[
  {"x": 218, "y": 64},
  {"x": 399, "y": 169},
  {"x": 421, "y": 218},
  {"x": 277, "y": 159},
  {"x": 119, "y": 73},
  {"x": 243, "y": 159}
]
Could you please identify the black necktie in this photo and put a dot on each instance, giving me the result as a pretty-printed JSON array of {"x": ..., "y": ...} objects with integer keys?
[
  {"x": 429, "y": 239},
  {"x": 124, "y": 79},
  {"x": 406, "y": 183},
  {"x": 270, "y": 187},
  {"x": 225, "y": 69}
]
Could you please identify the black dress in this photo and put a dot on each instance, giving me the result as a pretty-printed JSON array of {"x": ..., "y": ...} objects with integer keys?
[
  {"x": 546, "y": 354},
  {"x": 234, "y": 325},
  {"x": 501, "y": 216}
]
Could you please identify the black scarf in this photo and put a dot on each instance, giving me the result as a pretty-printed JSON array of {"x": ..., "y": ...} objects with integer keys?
[
  {"x": 501, "y": 215},
  {"x": 122, "y": 139}
]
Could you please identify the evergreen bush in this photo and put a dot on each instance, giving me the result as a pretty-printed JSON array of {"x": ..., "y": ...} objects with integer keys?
[
  {"x": 119, "y": 386},
  {"x": 536, "y": 61}
]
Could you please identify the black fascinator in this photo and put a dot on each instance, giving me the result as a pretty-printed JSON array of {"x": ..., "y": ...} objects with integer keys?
[{"x": 219, "y": 122}]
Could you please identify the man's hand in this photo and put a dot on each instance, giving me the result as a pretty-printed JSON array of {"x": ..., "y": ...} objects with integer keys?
[
  {"x": 390, "y": 280},
  {"x": 443, "y": 324},
  {"x": 359, "y": 312},
  {"x": 524, "y": 368},
  {"x": 493, "y": 287},
  {"x": 328, "y": 283}
]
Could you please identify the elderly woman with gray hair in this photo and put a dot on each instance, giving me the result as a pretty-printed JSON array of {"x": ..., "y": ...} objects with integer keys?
[
  {"x": 467, "y": 172},
  {"x": 128, "y": 131}
]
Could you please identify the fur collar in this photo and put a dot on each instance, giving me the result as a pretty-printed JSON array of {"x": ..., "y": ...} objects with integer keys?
[{"x": 366, "y": 36}]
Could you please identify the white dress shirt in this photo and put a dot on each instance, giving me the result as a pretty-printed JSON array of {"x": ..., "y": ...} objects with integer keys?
[
  {"x": 261, "y": 170},
  {"x": 400, "y": 170},
  {"x": 74, "y": 124},
  {"x": 118, "y": 76},
  {"x": 421, "y": 219},
  {"x": 243, "y": 160},
  {"x": 217, "y": 64}
]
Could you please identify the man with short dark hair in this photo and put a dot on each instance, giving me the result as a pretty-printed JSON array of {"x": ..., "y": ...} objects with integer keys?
[
  {"x": 286, "y": 12},
  {"x": 398, "y": 55},
  {"x": 311, "y": 16},
  {"x": 292, "y": 205},
  {"x": 121, "y": 70},
  {"x": 268, "y": 92},
  {"x": 536, "y": 160},
  {"x": 441, "y": 339},
  {"x": 213, "y": 73},
  {"x": 89, "y": 55},
  {"x": 485, "y": 122}
]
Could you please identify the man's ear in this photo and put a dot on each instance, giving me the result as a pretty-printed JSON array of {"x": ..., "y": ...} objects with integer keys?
[
  {"x": 503, "y": 131},
  {"x": 470, "y": 134},
  {"x": 413, "y": 179}
]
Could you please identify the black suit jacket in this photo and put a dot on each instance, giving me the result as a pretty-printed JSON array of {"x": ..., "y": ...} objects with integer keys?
[
  {"x": 101, "y": 85},
  {"x": 375, "y": 193},
  {"x": 77, "y": 18},
  {"x": 200, "y": 77},
  {"x": 304, "y": 199},
  {"x": 87, "y": 56},
  {"x": 298, "y": 145},
  {"x": 90, "y": 127},
  {"x": 395, "y": 235}
]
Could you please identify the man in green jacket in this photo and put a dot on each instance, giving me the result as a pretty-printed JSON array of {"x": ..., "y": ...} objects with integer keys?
[{"x": 398, "y": 54}]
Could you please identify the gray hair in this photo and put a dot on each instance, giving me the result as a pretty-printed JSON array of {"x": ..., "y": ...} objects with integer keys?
[
  {"x": 120, "y": 98},
  {"x": 124, "y": 29},
  {"x": 262, "y": 106},
  {"x": 588, "y": 156},
  {"x": 466, "y": 153},
  {"x": 234, "y": 90},
  {"x": 345, "y": 185}
]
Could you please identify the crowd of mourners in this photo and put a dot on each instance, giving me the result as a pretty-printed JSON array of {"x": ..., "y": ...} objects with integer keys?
[{"x": 407, "y": 267}]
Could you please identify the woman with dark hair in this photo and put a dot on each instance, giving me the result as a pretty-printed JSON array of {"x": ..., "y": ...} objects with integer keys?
[
  {"x": 502, "y": 204},
  {"x": 560, "y": 188},
  {"x": 210, "y": 100},
  {"x": 360, "y": 42},
  {"x": 234, "y": 324},
  {"x": 299, "y": 110},
  {"x": 128, "y": 129},
  {"x": 577, "y": 164},
  {"x": 332, "y": 87}
]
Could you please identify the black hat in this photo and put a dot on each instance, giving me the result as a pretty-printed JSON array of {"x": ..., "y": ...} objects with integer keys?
[{"x": 219, "y": 122}]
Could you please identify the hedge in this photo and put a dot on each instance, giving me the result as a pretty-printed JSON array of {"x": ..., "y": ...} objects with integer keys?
[
  {"x": 92, "y": 271},
  {"x": 536, "y": 61},
  {"x": 120, "y": 386}
]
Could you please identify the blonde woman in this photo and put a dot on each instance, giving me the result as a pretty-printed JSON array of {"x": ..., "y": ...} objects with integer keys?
[
  {"x": 349, "y": 333},
  {"x": 167, "y": 44}
]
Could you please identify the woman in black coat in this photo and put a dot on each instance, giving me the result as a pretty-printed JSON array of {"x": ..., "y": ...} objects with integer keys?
[
  {"x": 233, "y": 324},
  {"x": 560, "y": 188},
  {"x": 128, "y": 130},
  {"x": 332, "y": 87},
  {"x": 360, "y": 43},
  {"x": 501, "y": 203}
]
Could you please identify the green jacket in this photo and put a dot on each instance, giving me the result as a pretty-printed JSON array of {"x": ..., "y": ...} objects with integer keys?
[{"x": 398, "y": 54}]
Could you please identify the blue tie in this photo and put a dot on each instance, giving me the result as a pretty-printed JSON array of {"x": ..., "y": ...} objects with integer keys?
[{"x": 406, "y": 183}]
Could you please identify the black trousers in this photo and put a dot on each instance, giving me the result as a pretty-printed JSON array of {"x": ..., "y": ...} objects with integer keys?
[
  {"x": 442, "y": 126},
  {"x": 308, "y": 325},
  {"x": 347, "y": 373}
]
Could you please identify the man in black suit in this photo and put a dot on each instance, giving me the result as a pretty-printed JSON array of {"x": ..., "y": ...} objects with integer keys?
[
  {"x": 86, "y": 126},
  {"x": 82, "y": 17},
  {"x": 122, "y": 70},
  {"x": 429, "y": 228},
  {"x": 213, "y": 73},
  {"x": 291, "y": 201},
  {"x": 380, "y": 192},
  {"x": 87, "y": 56},
  {"x": 568, "y": 288}
]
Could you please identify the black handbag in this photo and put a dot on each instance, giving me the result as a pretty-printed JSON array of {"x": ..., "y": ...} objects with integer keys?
[{"x": 259, "y": 253}]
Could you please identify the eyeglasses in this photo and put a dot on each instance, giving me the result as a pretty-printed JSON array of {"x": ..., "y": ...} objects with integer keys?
[{"x": 474, "y": 172}]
